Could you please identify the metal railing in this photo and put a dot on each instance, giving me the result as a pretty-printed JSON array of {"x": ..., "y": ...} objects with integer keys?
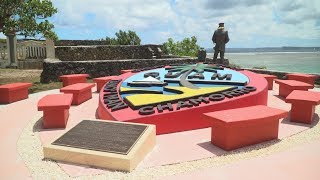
[
  {"x": 25, "y": 50},
  {"x": 31, "y": 50}
]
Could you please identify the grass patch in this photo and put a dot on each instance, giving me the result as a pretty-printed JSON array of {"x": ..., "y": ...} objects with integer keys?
[
  {"x": 38, "y": 87},
  {"x": 259, "y": 67},
  {"x": 32, "y": 76},
  {"x": 235, "y": 66}
]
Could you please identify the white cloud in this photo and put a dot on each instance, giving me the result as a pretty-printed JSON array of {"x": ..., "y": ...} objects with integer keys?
[
  {"x": 228, "y": 4},
  {"x": 2, "y": 36},
  {"x": 298, "y": 11},
  {"x": 246, "y": 20},
  {"x": 119, "y": 14}
]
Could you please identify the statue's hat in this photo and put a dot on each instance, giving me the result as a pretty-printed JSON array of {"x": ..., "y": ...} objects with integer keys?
[{"x": 221, "y": 26}]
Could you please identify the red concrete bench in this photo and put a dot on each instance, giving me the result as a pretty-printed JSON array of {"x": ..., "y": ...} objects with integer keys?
[
  {"x": 307, "y": 78},
  {"x": 14, "y": 92},
  {"x": 81, "y": 92},
  {"x": 101, "y": 81},
  {"x": 303, "y": 105},
  {"x": 287, "y": 86},
  {"x": 270, "y": 79},
  {"x": 55, "y": 109},
  {"x": 73, "y": 79},
  {"x": 235, "y": 128},
  {"x": 126, "y": 71}
]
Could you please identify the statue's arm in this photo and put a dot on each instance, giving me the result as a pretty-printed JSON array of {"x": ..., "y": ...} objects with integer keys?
[
  {"x": 214, "y": 37},
  {"x": 227, "y": 37}
]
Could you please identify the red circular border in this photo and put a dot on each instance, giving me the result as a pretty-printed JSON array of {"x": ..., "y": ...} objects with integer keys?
[{"x": 187, "y": 118}]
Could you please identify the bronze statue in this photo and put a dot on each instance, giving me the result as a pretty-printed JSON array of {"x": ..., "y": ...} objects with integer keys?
[{"x": 220, "y": 38}]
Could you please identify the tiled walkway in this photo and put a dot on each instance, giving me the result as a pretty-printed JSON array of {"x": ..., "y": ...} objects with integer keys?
[{"x": 176, "y": 156}]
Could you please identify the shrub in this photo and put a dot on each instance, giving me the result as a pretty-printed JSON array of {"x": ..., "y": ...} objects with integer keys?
[{"x": 186, "y": 47}]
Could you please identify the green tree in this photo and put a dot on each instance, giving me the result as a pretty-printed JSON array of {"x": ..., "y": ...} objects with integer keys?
[
  {"x": 124, "y": 38},
  {"x": 27, "y": 18},
  {"x": 186, "y": 47},
  {"x": 111, "y": 41}
]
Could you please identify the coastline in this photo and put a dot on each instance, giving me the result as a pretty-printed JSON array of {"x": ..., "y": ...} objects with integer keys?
[
  {"x": 284, "y": 52},
  {"x": 300, "y": 62}
]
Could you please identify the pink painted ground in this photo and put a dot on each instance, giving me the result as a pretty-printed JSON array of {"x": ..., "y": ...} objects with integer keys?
[
  {"x": 170, "y": 148},
  {"x": 295, "y": 164}
]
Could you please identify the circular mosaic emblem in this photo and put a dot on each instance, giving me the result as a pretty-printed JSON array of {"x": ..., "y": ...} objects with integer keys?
[{"x": 175, "y": 97}]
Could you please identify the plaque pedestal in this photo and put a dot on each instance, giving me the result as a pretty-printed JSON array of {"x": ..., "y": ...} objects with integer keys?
[{"x": 104, "y": 144}]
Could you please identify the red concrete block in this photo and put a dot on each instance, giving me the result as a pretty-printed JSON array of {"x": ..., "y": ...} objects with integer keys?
[
  {"x": 307, "y": 78},
  {"x": 287, "y": 86},
  {"x": 81, "y": 92},
  {"x": 101, "y": 81},
  {"x": 55, "y": 109},
  {"x": 269, "y": 79},
  {"x": 303, "y": 105},
  {"x": 126, "y": 71},
  {"x": 235, "y": 128},
  {"x": 73, "y": 79},
  {"x": 14, "y": 92}
]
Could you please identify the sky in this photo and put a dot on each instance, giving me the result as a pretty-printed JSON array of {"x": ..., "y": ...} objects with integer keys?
[{"x": 250, "y": 23}]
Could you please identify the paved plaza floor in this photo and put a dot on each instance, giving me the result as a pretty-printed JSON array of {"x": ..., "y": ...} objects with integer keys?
[{"x": 184, "y": 155}]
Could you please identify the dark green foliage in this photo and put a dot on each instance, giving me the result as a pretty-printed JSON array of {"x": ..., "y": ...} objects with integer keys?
[
  {"x": 236, "y": 66},
  {"x": 259, "y": 67},
  {"x": 27, "y": 18},
  {"x": 124, "y": 38},
  {"x": 187, "y": 47}
]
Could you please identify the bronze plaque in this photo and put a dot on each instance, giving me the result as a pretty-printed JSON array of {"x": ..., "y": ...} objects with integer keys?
[{"x": 102, "y": 136}]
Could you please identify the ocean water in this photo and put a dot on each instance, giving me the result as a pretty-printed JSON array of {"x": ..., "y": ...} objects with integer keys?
[{"x": 304, "y": 62}]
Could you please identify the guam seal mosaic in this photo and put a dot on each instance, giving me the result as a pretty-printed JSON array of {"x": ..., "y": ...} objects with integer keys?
[{"x": 174, "y": 98}]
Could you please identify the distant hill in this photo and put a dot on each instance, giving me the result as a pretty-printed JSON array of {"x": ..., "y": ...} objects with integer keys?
[{"x": 269, "y": 49}]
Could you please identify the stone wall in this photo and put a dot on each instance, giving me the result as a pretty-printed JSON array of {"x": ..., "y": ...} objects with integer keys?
[
  {"x": 53, "y": 69},
  {"x": 80, "y": 42},
  {"x": 88, "y": 53}
]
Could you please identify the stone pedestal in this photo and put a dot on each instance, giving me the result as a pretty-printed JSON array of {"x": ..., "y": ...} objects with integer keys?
[
  {"x": 55, "y": 109},
  {"x": 287, "y": 86},
  {"x": 240, "y": 127},
  {"x": 217, "y": 61},
  {"x": 307, "y": 78},
  {"x": 81, "y": 92},
  {"x": 14, "y": 92},
  {"x": 124, "y": 145},
  {"x": 303, "y": 105},
  {"x": 270, "y": 79},
  {"x": 73, "y": 79},
  {"x": 221, "y": 61}
]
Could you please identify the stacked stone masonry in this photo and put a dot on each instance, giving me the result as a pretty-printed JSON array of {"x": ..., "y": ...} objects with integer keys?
[
  {"x": 102, "y": 52},
  {"x": 53, "y": 69},
  {"x": 80, "y": 42}
]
